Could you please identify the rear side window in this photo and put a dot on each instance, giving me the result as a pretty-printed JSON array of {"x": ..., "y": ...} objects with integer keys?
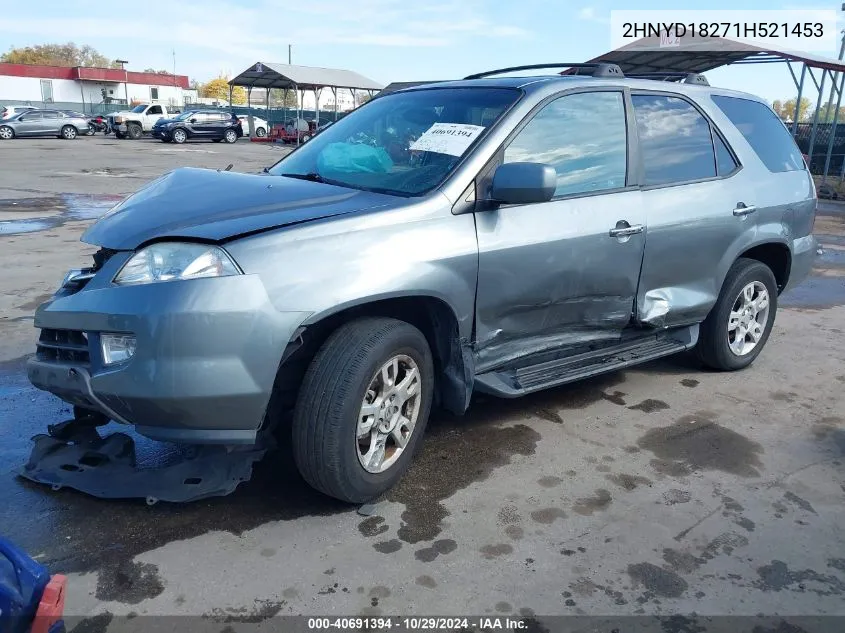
[
  {"x": 764, "y": 131},
  {"x": 725, "y": 162},
  {"x": 674, "y": 139},
  {"x": 583, "y": 137}
]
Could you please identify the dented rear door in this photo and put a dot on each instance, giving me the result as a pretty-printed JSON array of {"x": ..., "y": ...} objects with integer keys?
[{"x": 564, "y": 273}]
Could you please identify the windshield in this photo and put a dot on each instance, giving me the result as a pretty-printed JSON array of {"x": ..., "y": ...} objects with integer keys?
[
  {"x": 139, "y": 108},
  {"x": 404, "y": 143}
]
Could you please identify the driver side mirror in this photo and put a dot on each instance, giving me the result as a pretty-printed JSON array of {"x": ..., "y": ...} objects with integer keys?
[
  {"x": 193, "y": 121},
  {"x": 523, "y": 183}
]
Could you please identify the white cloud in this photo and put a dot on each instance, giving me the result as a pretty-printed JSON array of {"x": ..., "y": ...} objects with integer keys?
[{"x": 589, "y": 14}]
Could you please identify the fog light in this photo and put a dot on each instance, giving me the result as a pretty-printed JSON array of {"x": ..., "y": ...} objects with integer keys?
[{"x": 117, "y": 347}]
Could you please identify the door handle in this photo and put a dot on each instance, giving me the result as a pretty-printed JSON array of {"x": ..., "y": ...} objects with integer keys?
[
  {"x": 626, "y": 231},
  {"x": 742, "y": 209}
]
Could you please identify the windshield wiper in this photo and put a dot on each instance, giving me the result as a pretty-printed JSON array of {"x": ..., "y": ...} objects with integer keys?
[{"x": 313, "y": 176}]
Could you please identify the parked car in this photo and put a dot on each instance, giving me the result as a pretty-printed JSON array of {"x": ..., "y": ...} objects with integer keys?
[
  {"x": 139, "y": 120},
  {"x": 497, "y": 235},
  {"x": 9, "y": 111},
  {"x": 43, "y": 123},
  {"x": 212, "y": 125},
  {"x": 261, "y": 126}
]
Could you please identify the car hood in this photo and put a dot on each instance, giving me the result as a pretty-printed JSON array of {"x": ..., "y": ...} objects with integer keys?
[{"x": 216, "y": 205}]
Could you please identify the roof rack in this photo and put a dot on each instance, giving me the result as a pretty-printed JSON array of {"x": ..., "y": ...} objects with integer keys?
[
  {"x": 681, "y": 76},
  {"x": 597, "y": 70}
]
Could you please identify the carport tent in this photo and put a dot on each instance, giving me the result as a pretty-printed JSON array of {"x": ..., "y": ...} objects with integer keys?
[
  {"x": 700, "y": 54},
  {"x": 286, "y": 77}
]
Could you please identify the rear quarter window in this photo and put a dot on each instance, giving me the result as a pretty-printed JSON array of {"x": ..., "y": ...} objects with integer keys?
[{"x": 764, "y": 131}]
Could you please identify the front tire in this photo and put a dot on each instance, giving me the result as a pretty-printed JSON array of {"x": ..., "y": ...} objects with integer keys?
[
  {"x": 6, "y": 133},
  {"x": 738, "y": 326},
  {"x": 68, "y": 132},
  {"x": 179, "y": 136},
  {"x": 134, "y": 131},
  {"x": 362, "y": 408},
  {"x": 261, "y": 132}
]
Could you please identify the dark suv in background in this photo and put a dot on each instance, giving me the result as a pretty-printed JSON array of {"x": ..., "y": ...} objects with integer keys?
[{"x": 213, "y": 125}]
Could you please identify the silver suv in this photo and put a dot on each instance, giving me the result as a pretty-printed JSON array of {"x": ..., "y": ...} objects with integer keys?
[{"x": 496, "y": 234}]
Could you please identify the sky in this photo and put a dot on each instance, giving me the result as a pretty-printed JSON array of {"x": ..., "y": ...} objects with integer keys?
[{"x": 386, "y": 40}]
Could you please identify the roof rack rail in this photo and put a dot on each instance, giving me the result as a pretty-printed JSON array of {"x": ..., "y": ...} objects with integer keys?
[
  {"x": 685, "y": 77},
  {"x": 598, "y": 69}
]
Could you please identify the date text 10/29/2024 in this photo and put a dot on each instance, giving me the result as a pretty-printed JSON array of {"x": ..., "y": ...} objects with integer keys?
[{"x": 403, "y": 624}]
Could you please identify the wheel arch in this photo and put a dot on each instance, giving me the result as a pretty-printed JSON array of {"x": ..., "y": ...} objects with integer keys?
[
  {"x": 432, "y": 315},
  {"x": 776, "y": 255}
]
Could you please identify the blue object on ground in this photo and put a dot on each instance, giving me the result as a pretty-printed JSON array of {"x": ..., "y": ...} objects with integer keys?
[{"x": 22, "y": 582}]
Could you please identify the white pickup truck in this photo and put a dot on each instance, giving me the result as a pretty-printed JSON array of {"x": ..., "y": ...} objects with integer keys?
[{"x": 139, "y": 120}]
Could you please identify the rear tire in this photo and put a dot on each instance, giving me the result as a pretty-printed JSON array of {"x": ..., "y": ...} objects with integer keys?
[
  {"x": 726, "y": 339},
  {"x": 68, "y": 132},
  {"x": 230, "y": 136},
  {"x": 134, "y": 131},
  {"x": 261, "y": 132},
  {"x": 330, "y": 438}
]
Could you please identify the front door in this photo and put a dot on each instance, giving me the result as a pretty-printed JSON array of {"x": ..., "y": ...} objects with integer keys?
[
  {"x": 51, "y": 123},
  {"x": 562, "y": 275}
]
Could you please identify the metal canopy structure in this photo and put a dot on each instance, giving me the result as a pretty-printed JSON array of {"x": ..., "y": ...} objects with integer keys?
[
  {"x": 286, "y": 77},
  {"x": 700, "y": 54}
]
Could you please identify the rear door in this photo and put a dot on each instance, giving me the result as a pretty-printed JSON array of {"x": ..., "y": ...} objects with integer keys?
[
  {"x": 692, "y": 185},
  {"x": 558, "y": 274},
  {"x": 29, "y": 124}
]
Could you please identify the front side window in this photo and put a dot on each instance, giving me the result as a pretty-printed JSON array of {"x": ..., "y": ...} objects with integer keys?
[
  {"x": 583, "y": 136},
  {"x": 154, "y": 110},
  {"x": 675, "y": 140},
  {"x": 404, "y": 143},
  {"x": 764, "y": 131}
]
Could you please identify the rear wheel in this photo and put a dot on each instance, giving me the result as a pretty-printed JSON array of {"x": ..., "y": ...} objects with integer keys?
[
  {"x": 179, "y": 136},
  {"x": 362, "y": 408},
  {"x": 68, "y": 132},
  {"x": 261, "y": 132},
  {"x": 230, "y": 136},
  {"x": 90, "y": 131},
  {"x": 134, "y": 131},
  {"x": 6, "y": 132},
  {"x": 738, "y": 326}
]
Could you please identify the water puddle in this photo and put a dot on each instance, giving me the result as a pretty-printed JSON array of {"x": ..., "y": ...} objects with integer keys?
[{"x": 54, "y": 211}]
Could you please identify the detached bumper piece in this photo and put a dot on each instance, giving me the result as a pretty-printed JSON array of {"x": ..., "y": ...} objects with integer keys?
[{"x": 74, "y": 455}]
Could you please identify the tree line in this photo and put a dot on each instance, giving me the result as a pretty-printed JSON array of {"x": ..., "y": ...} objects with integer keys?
[{"x": 785, "y": 109}]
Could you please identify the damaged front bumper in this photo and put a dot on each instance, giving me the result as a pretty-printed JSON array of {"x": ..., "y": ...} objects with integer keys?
[
  {"x": 206, "y": 356},
  {"x": 74, "y": 455}
]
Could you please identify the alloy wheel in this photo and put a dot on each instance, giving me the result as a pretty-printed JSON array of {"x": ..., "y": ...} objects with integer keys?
[
  {"x": 388, "y": 413},
  {"x": 748, "y": 318}
]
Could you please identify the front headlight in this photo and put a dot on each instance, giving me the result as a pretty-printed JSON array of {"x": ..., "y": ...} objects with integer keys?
[
  {"x": 119, "y": 119},
  {"x": 174, "y": 261}
]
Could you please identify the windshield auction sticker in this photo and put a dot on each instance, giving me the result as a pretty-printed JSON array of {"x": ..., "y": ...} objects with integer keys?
[{"x": 447, "y": 138}]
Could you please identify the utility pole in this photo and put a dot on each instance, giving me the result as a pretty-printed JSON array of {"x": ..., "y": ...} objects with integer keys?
[{"x": 290, "y": 47}]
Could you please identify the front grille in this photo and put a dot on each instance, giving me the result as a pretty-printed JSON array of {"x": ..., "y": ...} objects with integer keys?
[{"x": 63, "y": 346}]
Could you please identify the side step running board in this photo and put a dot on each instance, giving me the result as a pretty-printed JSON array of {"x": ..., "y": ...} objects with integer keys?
[{"x": 512, "y": 383}]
